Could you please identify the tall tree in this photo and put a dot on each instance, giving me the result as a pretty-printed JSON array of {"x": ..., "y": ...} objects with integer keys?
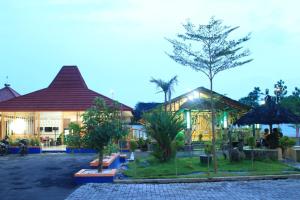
[
  {"x": 280, "y": 90},
  {"x": 167, "y": 87},
  {"x": 253, "y": 98},
  {"x": 209, "y": 49}
]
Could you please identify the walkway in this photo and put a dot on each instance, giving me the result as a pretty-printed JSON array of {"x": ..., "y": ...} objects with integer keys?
[{"x": 260, "y": 190}]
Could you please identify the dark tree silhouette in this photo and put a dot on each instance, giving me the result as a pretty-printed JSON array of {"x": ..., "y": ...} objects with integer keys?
[{"x": 167, "y": 87}]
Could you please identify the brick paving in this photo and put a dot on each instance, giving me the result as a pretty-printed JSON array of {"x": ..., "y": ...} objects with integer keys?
[{"x": 260, "y": 190}]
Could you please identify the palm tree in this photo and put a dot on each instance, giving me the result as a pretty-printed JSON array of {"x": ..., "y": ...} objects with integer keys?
[{"x": 167, "y": 87}]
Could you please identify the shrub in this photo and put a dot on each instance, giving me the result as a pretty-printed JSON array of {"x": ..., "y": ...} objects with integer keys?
[
  {"x": 180, "y": 139},
  {"x": 208, "y": 148},
  {"x": 163, "y": 128},
  {"x": 74, "y": 138},
  {"x": 111, "y": 148},
  {"x": 142, "y": 144},
  {"x": 35, "y": 142},
  {"x": 133, "y": 145}
]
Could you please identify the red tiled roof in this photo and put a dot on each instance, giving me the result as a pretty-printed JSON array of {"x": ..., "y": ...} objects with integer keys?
[
  {"x": 67, "y": 92},
  {"x": 7, "y": 93}
]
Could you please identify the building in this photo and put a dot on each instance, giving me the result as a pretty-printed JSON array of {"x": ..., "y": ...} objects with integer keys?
[
  {"x": 46, "y": 113},
  {"x": 194, "y": 107},
  {"x": 7, "y": 93}
]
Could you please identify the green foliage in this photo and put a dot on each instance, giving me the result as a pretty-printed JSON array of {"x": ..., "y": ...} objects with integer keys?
[
  {"x": 286, "y": 142},
  {"x": 163, "y": 128},
  {"x": 296, "y": 93},
  {"x": 74, "y": 138},
  {"x": 208, "y": 148},
  {"x": 291, "y": 103},
  {"x": 35, "y": 142},
  {"x": 180, "y": 140},
  {"x": 251, "y": 142},
  {"x": 102, "y": 124},
  {"x": 111, "y": 148},
  {"x": 143, "y": 143},
  {"x": 253, "y": 98},
  {"x": 133, "y": 145}
]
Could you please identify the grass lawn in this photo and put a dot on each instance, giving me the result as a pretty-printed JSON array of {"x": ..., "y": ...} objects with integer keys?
[{"x": 191, "y": 167}]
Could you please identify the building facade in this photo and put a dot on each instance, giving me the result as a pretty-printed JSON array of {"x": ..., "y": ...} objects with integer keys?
[{"x": 47, "y": 113}]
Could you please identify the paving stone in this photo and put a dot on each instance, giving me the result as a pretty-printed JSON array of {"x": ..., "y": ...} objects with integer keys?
[{"x": 240, "y": 190}]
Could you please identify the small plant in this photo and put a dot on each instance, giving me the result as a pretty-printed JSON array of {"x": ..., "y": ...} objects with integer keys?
[
  {"x": 180, "y": 139},
  {"x": 285, "y": 143},
  {"x": 111, "y": 148},
  {"x": 35, "y": 142},
  {"x": 208, "y": 148},
  {"x": 133, "y": 145},
  {"x": 74, "y": 138}
]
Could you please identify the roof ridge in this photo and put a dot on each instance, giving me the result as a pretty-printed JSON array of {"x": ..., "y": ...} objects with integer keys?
[{"x": 69, "y": 76}]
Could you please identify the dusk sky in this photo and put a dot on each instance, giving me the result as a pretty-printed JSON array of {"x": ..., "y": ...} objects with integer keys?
[{"x": 119, "y": 45}]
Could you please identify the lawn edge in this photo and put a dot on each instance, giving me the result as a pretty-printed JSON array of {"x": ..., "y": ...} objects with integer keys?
[{"x": 213, "y": 179}]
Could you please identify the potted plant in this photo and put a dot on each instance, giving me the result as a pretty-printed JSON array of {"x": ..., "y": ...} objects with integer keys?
[
  {"x": 34, "y": 146},
  {"x": 207, "y": 158}
]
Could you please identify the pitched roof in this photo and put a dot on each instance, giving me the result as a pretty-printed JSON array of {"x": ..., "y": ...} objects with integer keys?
[
  {"x": 7, "y": 93},
  {"x": 67, "y": 92},
  {"x": 219, "y": 97}
]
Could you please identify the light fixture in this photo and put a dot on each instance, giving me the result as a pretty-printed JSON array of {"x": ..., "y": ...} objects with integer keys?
[{"x": 18, "y": 126}]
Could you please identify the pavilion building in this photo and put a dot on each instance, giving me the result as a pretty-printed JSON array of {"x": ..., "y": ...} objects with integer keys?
[
  {"x": 49, "y": 111},
  {"x": 195, "y": 108}
]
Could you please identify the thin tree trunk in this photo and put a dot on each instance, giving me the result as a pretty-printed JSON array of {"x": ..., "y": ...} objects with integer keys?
[
  {"x": 213, "y": 127},
  {"x": 100, "y": 157},
  {"x": 166, "y": 102}
]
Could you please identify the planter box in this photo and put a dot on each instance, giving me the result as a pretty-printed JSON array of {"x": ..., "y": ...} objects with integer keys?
[
  {"x": 34, "y": 150},
  {"x": 30, "y": 150},
  {"x": 92, "y": 176},
  {"x": 293, "y": 153},
  {"x": 79, "y": 150},
  {"x": 112, "y": 162},
  {"x": 123, "y": 158},
  {"x": 262, "y": 154},
  {"x": 204, "y": 159}
]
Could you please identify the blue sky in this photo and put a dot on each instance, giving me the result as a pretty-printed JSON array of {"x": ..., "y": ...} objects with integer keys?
[{"x": 119, "y": 44}]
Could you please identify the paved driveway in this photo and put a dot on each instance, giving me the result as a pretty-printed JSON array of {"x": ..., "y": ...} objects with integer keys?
[
  {"x": 242, "y": 190},
  {"x": 41, "y": 177}
]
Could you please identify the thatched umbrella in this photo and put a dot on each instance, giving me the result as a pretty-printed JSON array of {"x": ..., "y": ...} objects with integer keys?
[{"x": 270, "y": 113}]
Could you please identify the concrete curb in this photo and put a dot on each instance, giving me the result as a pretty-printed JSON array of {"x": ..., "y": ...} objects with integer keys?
[{"x": 201, "y": 180}]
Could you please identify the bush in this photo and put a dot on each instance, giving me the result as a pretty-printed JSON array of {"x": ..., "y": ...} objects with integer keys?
[
  {"x": 286, "y": 142},
  {"x": 142, "y": 144},
  {"x": 208, "y": 148},
  {"x": 133, "y": 145},
  {"x": 111, "y": 148},
  {"x": 35, "y": 142},
  {"x": 179, "y": 140},
  {"x": 74, "y": 138},
  {"x": 163, "y": 128}
]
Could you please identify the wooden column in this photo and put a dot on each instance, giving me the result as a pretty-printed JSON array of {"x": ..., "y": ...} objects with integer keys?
[
  {"x": 38, "y": 125},
  {"x": 62, "y": 128},
  {"x": 2, "y": 134}
]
